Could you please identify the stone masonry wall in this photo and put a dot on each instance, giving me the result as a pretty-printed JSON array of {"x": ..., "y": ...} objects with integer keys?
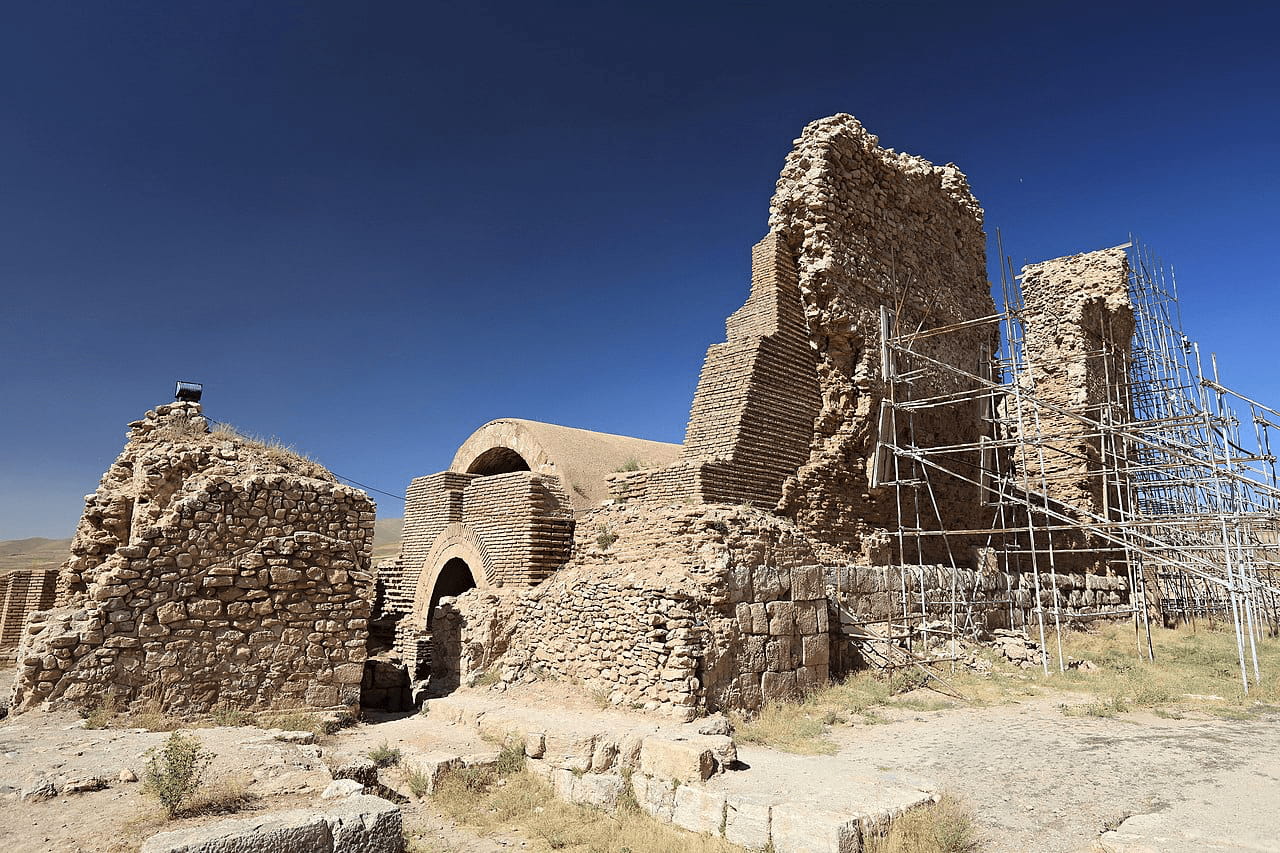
[
  {"x": 207, "y": 570},
  {"x": 787, "y": 414},
  {"x": 1078, "y": 338},
  {"x": 687, "y": 610},
  {"x": 870, "y": 227},
  {"x": 987, "y": 599}
]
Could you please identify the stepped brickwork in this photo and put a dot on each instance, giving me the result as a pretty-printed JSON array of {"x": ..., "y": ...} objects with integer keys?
[{"x": 23, "y": 592}]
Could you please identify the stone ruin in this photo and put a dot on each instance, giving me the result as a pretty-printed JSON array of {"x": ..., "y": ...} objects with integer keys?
[
  {"x": 723, "y": 573},
  {"x": 730, "y": 571},
  {"x": 208, "y": 570}
]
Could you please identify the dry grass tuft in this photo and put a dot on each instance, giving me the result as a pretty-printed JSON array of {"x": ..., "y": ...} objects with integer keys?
[
  {"x": 947, "y": 826},
  {"x": 1193, "y": 671},
  {"x": 489, "y": 802},
  {"x": 226, "y": 796}
]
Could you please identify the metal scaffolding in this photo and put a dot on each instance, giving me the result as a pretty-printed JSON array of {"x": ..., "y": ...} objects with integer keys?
[{"x": 1180, "y": 471}]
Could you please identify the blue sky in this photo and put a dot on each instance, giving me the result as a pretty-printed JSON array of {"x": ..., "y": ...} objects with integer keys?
[{"x": 370, "y": 228}]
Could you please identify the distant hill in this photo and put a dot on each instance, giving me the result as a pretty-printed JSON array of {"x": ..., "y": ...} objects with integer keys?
[
  {"x": 34, "y": 553},
  {"x": 42, "y": 553},
  {"x": 386, "y": 537}
]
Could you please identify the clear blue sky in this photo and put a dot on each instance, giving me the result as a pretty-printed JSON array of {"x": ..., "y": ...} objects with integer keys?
[{"x": 369, "y": 228}]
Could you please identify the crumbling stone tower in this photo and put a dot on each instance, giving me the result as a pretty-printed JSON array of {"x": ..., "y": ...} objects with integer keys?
[
  {"x": 208, "y": 569},
  {"x": 1078, "y": 332},
  {"x": 787, "y": 414}
]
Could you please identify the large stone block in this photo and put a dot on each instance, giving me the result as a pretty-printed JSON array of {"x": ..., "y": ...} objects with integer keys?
[
  {"x": 676, "y": 760},
  {"x": 655, "y": 796},
  {"x": 800, "y": 828},
  {"x": 358, "y": 824},
  {"x": 778, "y": 687},
  {"x": 699, "y": 810},
  {"x": 807, "y": 584},
  {"x": 746, "y": 823}
]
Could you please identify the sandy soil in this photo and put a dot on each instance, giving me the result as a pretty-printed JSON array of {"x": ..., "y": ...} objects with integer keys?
[{"x": 1038, "y": 779}]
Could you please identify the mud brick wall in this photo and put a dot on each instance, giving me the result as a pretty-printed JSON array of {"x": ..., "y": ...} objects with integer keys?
[
  {"x": 207, "y": 570},
  {"x": 687, "y": 610},
  {"x": 432, "y": 503},
  {"x": 22, "y": 593},
  {"x": 525, "y": 522}
]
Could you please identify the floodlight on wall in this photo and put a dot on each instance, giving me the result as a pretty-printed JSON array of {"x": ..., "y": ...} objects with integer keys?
[{"x": 188, "y": 392}]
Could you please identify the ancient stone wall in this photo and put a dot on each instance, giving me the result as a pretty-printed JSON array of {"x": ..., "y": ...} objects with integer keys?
[
  {"x": 872, "y": 228},
  {"x": 788, "y": 411},
  {"x": 207, "y": 570},
  {"x": 682, "y": 609},
  {"x": 973, "y": 600},
  {"x": 23, "y": 592},
  {"x": 1078, "y": 337}
]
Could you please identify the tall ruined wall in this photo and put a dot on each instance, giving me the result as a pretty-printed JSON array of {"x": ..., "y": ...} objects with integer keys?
[
  {"x": 869, "y": 227},
  {"x": 787, "y": 412},
  {"x": 22, "y": 593},
  {"x": 686, "y": 610},
  {"x": 207, "y": 570},
  {"x": 1078, "y": 336}
]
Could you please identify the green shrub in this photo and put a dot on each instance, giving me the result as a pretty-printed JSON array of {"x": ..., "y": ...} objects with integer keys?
[
  {"x": 606, "y": 538},
  {"x": 511, "y": 758},
  {"x": 384, "y": 755},
  {"x": 175, "y": 771}
]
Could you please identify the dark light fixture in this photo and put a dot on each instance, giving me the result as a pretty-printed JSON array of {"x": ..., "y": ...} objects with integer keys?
[{"x": 188, "y": 392}]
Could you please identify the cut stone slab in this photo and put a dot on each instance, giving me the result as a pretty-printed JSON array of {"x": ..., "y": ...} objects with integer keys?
[
  {"x": 746, "y": 823},
  {"x": 677, "y": 760},
  {"x": 698, "y": 810},
  {"x": 359, "y": 824},
  {"x": 340, "y": 788},
  {"x": 798, "y": 828},
  {"x": 433, "y": 765}
]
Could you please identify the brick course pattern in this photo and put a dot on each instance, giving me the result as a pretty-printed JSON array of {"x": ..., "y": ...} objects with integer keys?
[
  {"x": 22, "y": 593},
  {"x": 207, "y": 570}
]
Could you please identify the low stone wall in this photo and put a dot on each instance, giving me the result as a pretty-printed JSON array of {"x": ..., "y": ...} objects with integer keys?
[
  {"x": 863, "y": 596},
  {"x": 679, "y": 609},
  {"x": 203, "y": 574}
]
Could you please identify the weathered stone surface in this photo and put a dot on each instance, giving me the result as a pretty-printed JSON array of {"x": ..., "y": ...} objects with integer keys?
[
  {"x": 800, "y": 828},
  {"x": 434, "y": 766},
  {"x": 655, "y": 796},
  {"x": 698, "y": 809},
  {"x": 201, "y": 564},
  {"x": 746, "y": 823},
  {"x": 358, "y": 824},
  {"x": 676, "y": 760}
]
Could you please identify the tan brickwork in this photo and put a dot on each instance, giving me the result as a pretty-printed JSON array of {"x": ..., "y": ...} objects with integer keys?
[{"x": 23, "y": 592}]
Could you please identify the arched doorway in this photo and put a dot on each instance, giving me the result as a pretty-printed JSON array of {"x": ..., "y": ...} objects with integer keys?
[
  {"x": 455, "y": 578},
  {"x": 497, "y": 460}
]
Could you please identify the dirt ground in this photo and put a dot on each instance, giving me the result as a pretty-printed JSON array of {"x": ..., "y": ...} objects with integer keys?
[
  {"x": 1040, "y": 780},
  {"x": 1037, "y": 779}
]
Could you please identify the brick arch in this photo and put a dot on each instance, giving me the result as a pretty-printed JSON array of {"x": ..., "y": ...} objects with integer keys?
[{"x": 456, "y": 540}]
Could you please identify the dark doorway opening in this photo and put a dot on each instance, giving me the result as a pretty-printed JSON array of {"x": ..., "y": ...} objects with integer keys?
[
  {"x": 497, "y": 460},
  {"x": 454, "y": 579}
]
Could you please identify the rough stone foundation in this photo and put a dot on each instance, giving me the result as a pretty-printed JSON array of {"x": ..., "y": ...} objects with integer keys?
[
  {"x": 207, "y": 570},
  {"x": 687, "y": 610}
]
